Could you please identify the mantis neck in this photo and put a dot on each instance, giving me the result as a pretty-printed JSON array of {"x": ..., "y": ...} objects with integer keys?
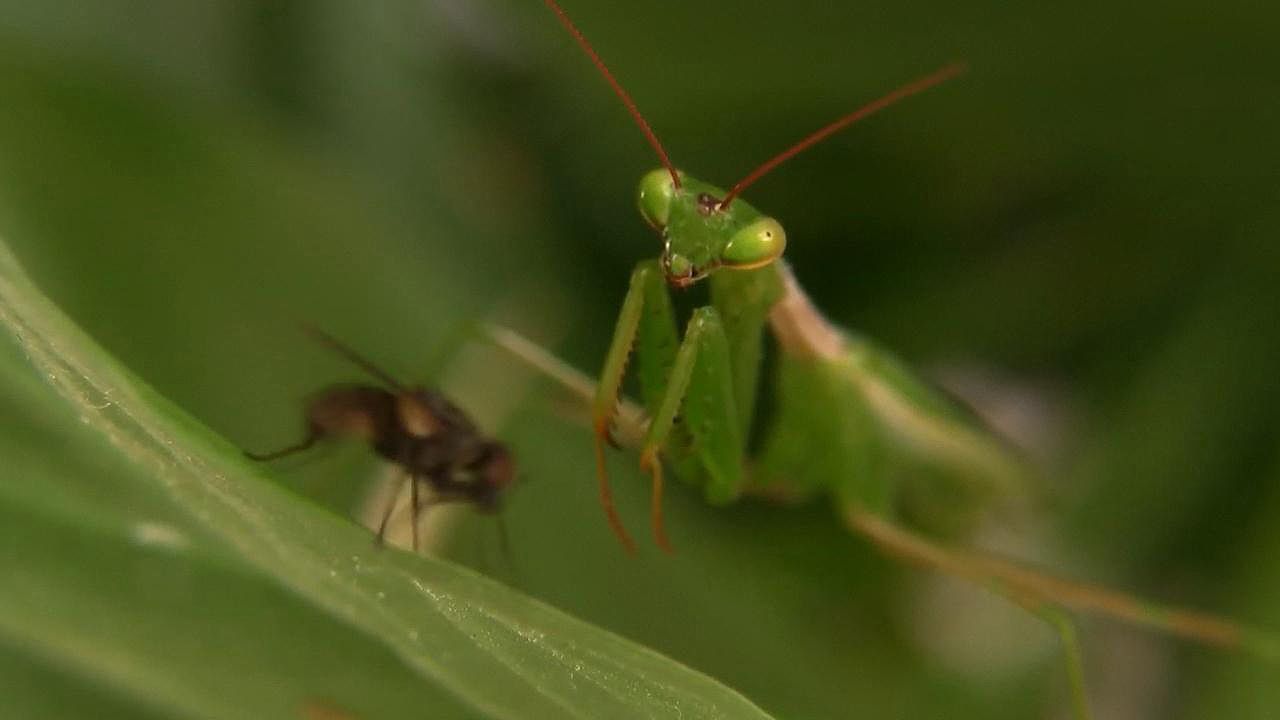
[{"x": 746, "y": 300}]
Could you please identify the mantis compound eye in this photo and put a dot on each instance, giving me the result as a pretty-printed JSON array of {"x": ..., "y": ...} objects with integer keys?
[
  {"x": 755, "y": 245},
  {"x": 655, "y": 197}
]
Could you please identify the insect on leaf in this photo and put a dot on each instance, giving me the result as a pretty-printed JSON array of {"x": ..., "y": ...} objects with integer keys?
[{"x": 120, "y": 599}]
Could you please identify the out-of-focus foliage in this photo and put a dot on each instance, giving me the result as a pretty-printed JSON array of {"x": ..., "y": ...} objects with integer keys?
[
  {"x": 1080, "y": 234},
  {"x": 296, "y": 613}
]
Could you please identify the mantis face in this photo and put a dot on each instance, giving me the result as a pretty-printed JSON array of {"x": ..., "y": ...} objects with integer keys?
[{"x": 701, "y": 236}]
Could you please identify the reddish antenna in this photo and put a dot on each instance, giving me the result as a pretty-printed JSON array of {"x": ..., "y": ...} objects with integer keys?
[
  {"x": 617, "y": 88},
  {"x": 870, "y": 108}
]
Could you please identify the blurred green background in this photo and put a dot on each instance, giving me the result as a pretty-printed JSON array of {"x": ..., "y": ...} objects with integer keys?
[{"x": 1079, "y": 236}]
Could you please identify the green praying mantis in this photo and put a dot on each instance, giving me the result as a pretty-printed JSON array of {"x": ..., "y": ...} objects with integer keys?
[{"x": 849, "y": 420}]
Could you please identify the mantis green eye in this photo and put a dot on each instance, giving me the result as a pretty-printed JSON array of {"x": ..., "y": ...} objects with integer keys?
[
  {"x": 755, "y": 245},
  {"x": 656, "y": 192}
]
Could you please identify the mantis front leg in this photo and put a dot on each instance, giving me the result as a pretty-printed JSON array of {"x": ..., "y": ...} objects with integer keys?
[{"x": 706, "y": 440}]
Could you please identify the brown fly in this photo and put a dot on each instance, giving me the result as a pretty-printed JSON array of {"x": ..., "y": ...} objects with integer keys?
[{"x": 421, "y": 431}]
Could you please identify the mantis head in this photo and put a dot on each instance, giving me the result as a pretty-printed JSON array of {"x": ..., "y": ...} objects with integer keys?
[
  {"x": 702, "y": 228},
  {"x": 700, "y": 233}
]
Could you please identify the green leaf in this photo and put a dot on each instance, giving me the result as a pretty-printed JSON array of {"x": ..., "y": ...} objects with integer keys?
[{"x": 295, "y": 607}]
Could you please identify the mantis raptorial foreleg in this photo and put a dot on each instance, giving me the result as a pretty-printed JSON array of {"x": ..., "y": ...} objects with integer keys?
[
  {"x": 700, "y": 382},
  {"x": 688, "y": 394},
  {"x": 646, "y": 313}
]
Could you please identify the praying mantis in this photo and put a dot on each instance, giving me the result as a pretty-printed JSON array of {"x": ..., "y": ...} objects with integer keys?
[{"x": 849, "y": 421}]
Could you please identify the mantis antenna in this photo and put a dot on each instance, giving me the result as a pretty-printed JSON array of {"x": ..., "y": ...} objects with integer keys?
[
  {"x": 870, "y": 108},
  {"x": 617, "y": 89}
]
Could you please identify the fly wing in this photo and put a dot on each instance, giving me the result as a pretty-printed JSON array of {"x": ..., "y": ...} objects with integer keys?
[{"x": 451, "y": 418}]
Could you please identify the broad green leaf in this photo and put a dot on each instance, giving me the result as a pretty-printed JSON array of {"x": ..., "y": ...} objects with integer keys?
[{"x": 305, "y": 602}]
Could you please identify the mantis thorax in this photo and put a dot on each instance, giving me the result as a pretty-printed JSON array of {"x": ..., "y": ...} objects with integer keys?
[{"x": 700, "y": 235}]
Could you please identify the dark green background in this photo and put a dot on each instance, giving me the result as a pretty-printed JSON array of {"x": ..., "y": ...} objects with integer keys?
[{"x": 1089, "y": 217}]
